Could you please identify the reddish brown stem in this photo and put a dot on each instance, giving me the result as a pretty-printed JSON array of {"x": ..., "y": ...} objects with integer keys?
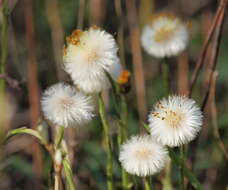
[
  {"x": 183, "y": 80},
  {"x": 33, "y": 88}
]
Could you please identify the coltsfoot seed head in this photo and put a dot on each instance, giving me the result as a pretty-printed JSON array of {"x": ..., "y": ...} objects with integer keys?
[
  {"x": 88, "y": 55},
  {"x": 166, "y": 35},
  {"x": 175, "y": 121},
  {"x": 63, "y": 105},
  {"x": 142, "y": 156}
]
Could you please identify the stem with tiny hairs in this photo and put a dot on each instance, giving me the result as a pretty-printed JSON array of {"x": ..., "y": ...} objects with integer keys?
[
  {"x": 146, "y": 182},
  {"x": 69, "y": 175},
  {"x": 107, "y": 142},
  {"x": 123, "y": 136}
]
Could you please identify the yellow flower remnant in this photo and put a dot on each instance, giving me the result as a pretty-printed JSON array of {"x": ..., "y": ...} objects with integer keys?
[
  {"x": 124, "y": 77},
  {"x": 74, "y": 38}
]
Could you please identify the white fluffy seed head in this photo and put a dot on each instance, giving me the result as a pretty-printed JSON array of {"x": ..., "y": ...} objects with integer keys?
[
  {"x": 88, "y": 55},
  {"x": 165, "y": 36},
  {"x": 175, "y": 121},
  {"x": 63, "y": 105},
  {"x": 142, "y": 156}
]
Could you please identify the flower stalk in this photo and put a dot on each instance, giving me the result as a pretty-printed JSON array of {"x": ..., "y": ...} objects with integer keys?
[
  {"x": 107, "y": 141},
  {"x": 165, "y": 75},
  {"x": 146, "y": 182},
  {"x": 182, "y": 158},
  {"x": 123, "y": 135},
  {"x": 69, "y": 175}
]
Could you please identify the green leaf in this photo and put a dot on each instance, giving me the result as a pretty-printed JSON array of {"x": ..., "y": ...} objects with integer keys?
[{"x": 24, "y": 130}]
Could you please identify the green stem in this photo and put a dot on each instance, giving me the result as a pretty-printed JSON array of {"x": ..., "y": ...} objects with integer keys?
[
  {"x": 182, "y": 158},
  {"x": 59, "y": 137},
  {"x": 165, "y": 75},
  {"x": 167, "y": 185},
  {"x": 69, "y": 175},
  {"x": 4, "y": 45},
  {"x": 58, "y": 163},
  {"x": 147, "y": 185},
  {"x": 123, "y": 135},
  {"x": 107, "y": 141}
]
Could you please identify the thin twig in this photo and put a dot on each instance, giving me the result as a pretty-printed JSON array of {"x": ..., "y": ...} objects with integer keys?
[
  {"x": 215, "y": 52},
  {"x": 195, "y": 75}
]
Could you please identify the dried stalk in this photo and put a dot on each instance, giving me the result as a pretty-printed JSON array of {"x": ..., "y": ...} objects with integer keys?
[
  {"x": 120, "y": 35},
  {"x": 98, "y": 13},
  {"x": 183, "y": 73},
  {"x": 53, "y": 16},
  {"x": 137, "y": 59},
  {"x": 33, "y": 88},
  {"x": 81, "y": 10}
]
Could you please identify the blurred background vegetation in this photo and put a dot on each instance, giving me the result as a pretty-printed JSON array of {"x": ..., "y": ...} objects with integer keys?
[{"x": 35, "y": 38}]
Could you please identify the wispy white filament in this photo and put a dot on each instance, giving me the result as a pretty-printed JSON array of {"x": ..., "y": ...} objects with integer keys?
[
  {"x": 64, "y": 106},
  {"x": 142, "y": 156},
  {"x": 175, "y": 121}
]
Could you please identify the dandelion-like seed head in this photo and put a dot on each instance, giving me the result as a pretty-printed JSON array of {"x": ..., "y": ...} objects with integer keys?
[
  {"x": 166, "y": 35},
  {"x": 175, "y": 121},
  {"x": 142, "y": 156},
  {"x": 64, "y": 106},
  {"x": 88, "y": 55}
]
